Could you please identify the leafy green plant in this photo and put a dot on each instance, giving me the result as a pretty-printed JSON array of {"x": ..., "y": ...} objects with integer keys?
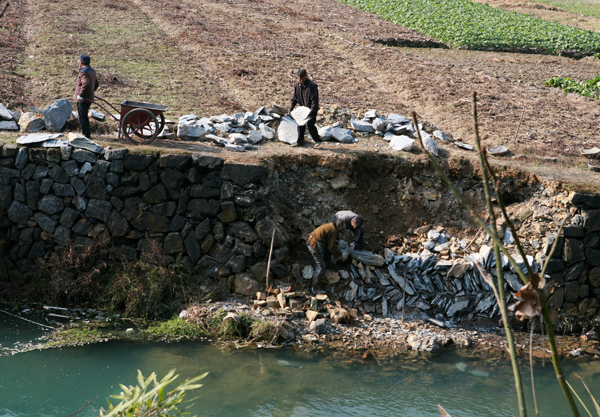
[
  {"x": 150, "y": 398},
  {"x": 589, "y": 88},
  {"x": 464, "y": 24}
]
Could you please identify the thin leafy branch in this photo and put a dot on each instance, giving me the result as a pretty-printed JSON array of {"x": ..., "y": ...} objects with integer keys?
[
  {"x": 149, "y": 398},
  {"x": 532, "y": 301}
]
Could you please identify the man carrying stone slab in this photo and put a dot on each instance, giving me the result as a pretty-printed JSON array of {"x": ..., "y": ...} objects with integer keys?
[
  {"x": 354, "y": 223},
  {"x": 306, "y": 93},
  {"x": 87, "y": 84},
  {"x": 321, "y": 240}
]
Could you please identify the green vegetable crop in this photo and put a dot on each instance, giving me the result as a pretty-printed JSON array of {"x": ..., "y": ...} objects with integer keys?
[
  {"x": 589, "y": 88},
  {"x": 463, "y": 24}
]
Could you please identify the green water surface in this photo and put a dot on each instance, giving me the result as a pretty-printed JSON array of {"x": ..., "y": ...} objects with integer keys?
[{"x": 271, "y": 382}]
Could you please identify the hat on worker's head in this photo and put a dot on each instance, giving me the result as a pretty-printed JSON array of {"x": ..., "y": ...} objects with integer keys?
[{"x": 85, "y": 59}]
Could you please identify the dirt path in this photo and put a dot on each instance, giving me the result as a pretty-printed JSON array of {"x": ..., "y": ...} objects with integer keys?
[{"x": 225, "y": 56}]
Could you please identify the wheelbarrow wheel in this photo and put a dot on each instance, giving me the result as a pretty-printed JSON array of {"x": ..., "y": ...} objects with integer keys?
[{"x": 140, "y": 126}]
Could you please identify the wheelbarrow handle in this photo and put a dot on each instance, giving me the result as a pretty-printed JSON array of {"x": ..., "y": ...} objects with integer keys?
[{"x": 100, "y": 105}]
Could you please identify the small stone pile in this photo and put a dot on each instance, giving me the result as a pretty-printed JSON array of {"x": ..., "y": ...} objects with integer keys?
[
  {"x": 245, "y": 130},
  {"x": 31, "y": 119}
]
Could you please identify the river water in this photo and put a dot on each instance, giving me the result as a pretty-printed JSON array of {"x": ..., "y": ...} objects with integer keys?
[{"x": 270, "y": 382}]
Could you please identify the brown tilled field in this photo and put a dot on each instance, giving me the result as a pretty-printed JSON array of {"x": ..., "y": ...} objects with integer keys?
[{"x": 222, "y": 56}]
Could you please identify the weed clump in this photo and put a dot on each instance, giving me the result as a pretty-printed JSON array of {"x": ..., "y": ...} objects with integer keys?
[
  {"x": 175, "y": 329},
  {"x": 230, "y": 326}
]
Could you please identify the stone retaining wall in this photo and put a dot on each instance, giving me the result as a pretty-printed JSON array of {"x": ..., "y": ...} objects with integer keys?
[
  {"x": 216, "y": 217},
  {"x": 209, "y": 214}
]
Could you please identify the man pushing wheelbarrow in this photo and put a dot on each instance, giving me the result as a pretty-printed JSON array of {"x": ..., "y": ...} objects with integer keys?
[
  {"x": 87, "y": 84},
  {"x": 139, "y": 122}
]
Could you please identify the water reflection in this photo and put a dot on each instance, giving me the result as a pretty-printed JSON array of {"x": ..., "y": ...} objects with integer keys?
[{"x": 272, "y": 382}]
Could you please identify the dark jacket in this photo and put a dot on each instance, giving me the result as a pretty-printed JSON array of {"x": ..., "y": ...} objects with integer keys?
[
  {"x": 87, "y": 83},
  {"x": 326, "y": 235},
  {"x": 306, "y": 95}
]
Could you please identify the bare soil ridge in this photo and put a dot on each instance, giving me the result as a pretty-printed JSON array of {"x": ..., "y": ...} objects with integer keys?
[{"x": 227, "y": 56}]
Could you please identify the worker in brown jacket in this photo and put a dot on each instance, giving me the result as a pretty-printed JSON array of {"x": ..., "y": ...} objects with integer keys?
[
  {"x": 87, "y": 84},
  {"x": 322, "y": 239}
]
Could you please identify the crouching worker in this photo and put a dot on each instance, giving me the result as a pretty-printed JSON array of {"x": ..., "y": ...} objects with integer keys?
[
  {"x": 354, "y": 223},
  {"x": 321, "y": 240}
]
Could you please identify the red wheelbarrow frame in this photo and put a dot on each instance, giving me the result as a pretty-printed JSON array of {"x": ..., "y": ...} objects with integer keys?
[{"x": 139, "y": 122}]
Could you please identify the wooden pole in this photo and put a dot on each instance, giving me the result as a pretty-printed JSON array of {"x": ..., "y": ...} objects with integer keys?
[{"x": 269, "y": 262}]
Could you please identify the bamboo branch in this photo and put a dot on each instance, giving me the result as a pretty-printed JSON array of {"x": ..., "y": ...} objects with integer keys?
[
  {"x": 531, "y": 367},
  {"x": 466, "y": 205}
]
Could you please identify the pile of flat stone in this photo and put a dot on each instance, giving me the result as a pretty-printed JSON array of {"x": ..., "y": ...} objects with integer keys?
[
  {"x": 238, "y": 133},
  {"x": 421, "y": 284},
  {"x": 244, "y": 131}
]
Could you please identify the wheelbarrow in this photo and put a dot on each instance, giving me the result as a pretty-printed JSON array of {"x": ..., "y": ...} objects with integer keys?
[{"x": 139, "y": 122}]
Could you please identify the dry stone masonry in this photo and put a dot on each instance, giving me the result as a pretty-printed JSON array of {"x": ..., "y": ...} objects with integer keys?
[{"x": 218, "y": 219}]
